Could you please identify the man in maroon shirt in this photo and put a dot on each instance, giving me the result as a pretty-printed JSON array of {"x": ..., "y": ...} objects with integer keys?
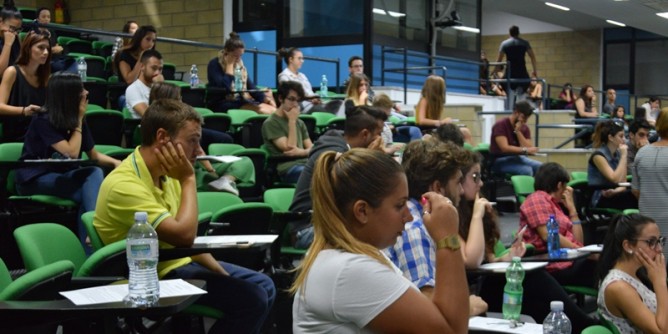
[{"x": 511, "y": 143}]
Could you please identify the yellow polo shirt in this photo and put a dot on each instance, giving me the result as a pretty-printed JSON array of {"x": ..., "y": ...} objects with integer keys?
[{"x": 128, "y": 189}]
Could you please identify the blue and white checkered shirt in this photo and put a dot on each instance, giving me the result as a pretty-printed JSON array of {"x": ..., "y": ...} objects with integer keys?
[{"x": 414, "y": 252}]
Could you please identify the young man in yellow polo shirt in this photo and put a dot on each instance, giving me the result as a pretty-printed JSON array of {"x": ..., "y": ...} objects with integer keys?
[{"x": 158, "y": 178}]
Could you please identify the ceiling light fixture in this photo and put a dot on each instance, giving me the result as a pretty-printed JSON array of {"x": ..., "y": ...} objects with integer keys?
[
  {"x": 664, "y": 15},
  {"x": 616, "y": 23},
  {"x": 469, "y": 29},
  {"x": 557, "y": 6}
]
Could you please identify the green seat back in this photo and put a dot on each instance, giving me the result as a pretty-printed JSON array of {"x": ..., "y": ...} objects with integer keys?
[
  {"x": 43, "y": 283},
  {"x": 279, "y": 198},
  {"x": 630, "y": 211},
  {"x": 203, "y": 111},
  {"x": 209, "y": 201},
  {"x": 597, "y": 329},
  {"x": 245, "y": 218},
  {"x": 10, "y": 152},
  {"x": 523, "y": 186},
  {"x": 321, "y": 118},
  {"x": 578, "y": 176},
  {"x": 44, "y": 243},
  {"x": 239, "y": 116},
  {"x": 224, "y": 149},
  {"x": 87, "y": 219},
  {"x": 107, "y": 260},
  {"x": 92, "y": 106}
]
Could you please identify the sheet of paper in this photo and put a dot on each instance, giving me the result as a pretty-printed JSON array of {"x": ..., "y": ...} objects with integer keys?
[
  {"x": 501, "y": 267},
  {"x": 235, "y": 240},
  {"x": 219, "y": 158},
  {"x": 591, "y": 248},
  {"x": 116, "y": 293},
  {"x": 503, "y": 326}
]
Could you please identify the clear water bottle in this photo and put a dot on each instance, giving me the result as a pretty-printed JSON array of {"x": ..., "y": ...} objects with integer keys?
[
  {"x": 512, "y": 292},
  {"x": 323, "y": 86},
  {"x": 82, "y": 67},
  {"x": 553, "y": 247},
  {"x": 238, "y": 79},
  {"x": 142, "y": 253},
  {"x": 557, "y": 322},
  {"x": 194, "y": 76}
]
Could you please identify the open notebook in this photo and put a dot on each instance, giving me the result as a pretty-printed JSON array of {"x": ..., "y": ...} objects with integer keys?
[{"x": 219, "y": 241}]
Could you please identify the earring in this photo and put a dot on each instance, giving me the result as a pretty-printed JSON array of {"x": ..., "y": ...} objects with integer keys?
[{"x": 629, "y": 251}]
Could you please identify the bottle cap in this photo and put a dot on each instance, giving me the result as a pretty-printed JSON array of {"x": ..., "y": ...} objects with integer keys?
[
  {"x": 556, "y": 305},
  {"x": 141, "y": 215},
  {"x": 517, "y": 259}
]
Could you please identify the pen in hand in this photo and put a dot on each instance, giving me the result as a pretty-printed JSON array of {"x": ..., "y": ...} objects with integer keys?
[{"x": 519, "y": 234}]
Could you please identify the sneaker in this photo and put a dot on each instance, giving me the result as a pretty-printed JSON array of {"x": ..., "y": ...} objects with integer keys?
[{"x": 225, "y": 184}]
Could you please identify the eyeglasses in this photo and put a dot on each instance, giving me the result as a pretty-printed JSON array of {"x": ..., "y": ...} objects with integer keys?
[
  {"x": 292, "y": 99},
  {"x": 477, "y": 177},
  {"x": 653, "y": 242},
  {"x": 14, "y": 29}
]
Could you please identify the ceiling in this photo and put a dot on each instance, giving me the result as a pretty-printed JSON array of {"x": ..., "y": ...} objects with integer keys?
[{"x": 588, "y": 14}]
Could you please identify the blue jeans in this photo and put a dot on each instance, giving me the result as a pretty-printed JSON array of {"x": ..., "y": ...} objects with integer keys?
[
  {"x": 80, "y": 185},
  {"x": 245, "y": 297},
  {"x": 407, "y": 134},
  {"x": 516, "y": 165},
  {"x": 213, "y": 137},
  {"x": 304, "y": 238},
  {"x": 292, "y": 175}
]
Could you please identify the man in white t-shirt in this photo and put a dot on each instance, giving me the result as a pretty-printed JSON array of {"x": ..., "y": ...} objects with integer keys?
[{"x": 137, "y": 94}]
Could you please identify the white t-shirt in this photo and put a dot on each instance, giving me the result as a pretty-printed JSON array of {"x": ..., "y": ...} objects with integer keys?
[
  {"x": 344, "y": 292},
  {"x": 135, "y": 94}
]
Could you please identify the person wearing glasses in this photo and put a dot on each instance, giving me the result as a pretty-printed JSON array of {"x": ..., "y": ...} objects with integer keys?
[
  {"x": 634, "y": 300},
  {"x": 10, "y": 26},
  {"x": 479, "y": 232},
  {"x": 607, "y": 167},
  {"x": 286, "y": 135},
  {"x": 650, "y": 175},
  {"x": 294, "y": 59}
]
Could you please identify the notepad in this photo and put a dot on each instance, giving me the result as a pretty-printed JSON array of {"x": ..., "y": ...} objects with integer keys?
[
  {"x": 116, "y": 293},
  {"x": 591, "y": 248},
  {"x": 500, "y": 267},
  {"x": 503, "y": 326},
  {"x": 219, "y": 158},
  {"x": 235, "y": 240}
]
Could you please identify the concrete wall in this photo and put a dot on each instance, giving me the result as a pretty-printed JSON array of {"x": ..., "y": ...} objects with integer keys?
[{"x": 572, "y": 56}]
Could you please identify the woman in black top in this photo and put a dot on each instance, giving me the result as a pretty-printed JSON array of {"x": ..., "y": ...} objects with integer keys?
[{"x": 126, "y": 61}]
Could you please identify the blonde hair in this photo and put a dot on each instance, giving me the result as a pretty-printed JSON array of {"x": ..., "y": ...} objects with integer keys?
[
  {"x": 352, "y": 92},
  {"x": 382, "y": 101},
  {"x": 662, "y": 123},
  {"x": 339, "y": 180},
  {"x": 433, "y": 93}
]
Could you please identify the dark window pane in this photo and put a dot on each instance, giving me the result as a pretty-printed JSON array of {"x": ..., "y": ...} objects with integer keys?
[{"x": 323, "y": 18}]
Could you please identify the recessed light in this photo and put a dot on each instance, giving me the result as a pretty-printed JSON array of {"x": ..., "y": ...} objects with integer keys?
[
  {"x": 664, "y": 15},
  {"x": 557, "y": 6},
  {"x": 469, "y": 29},
  {"x": 616, "y": 23}
]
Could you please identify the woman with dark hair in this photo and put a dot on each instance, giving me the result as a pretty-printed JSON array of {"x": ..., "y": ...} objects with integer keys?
[
  {"x": 478, "y": 226},
  {"x": 10, "y": 26},
  {"x": 552, "y": 192},
  {"x": 345, "y": 284},
  {"x": 567, "y": 97},
  {"x": 59, "y": 61},
  {"x": 585, "y": 104},
  {"x": 607, "y": 167},
  {"x": 294, "y": 59},
  {"x": 126, "y": 62},
  {"x": 632, "y": 269},
  {"x": 61, "y": 132},
  {"x": 130, "y": 27},
  {"x": 23, "y": 86},
  {"x": 220, "y": 73}
]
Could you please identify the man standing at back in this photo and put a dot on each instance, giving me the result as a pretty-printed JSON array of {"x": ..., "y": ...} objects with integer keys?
[
  {"x": 158, "y": 178},
  {"x": 515, "y": 49},
  {"x": 362, "y": 129}
]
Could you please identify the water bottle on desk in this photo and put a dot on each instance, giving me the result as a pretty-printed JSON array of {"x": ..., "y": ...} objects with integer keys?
[
  {"x": 194, "y": 76},
  {"x": 512, "y": 292},
  {"x": 557, "y": 322},
  {"x": 323, "y": 87},
  {"x": 82, "y": 67},
  {"x": 553, "y": 247},
  {"x": 142, "y": 253},
  {"x": 238, "y": 79}
]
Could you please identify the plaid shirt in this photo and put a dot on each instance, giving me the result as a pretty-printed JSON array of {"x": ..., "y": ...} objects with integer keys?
[
  {"x": 414, "y": 252},
  {"x": 535, "y": 211}
]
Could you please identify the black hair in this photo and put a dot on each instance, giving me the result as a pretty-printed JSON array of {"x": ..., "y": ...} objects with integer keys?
[
  {"x": 286, "y": 86},
  {"x": 9, "y": 11},
  {"x": 639, "y": 124},
  {"x": 449, "y": 132},
  {"x": 286, "y": 54},
  {"x": 352, "y": 59},
  {"x": 653, "y": 99},
  {"x": 362, "y": 117},
  {"x": 603, "y": 130},
  {"x": 622, "y": 227},
  {"x": 126, "y": 26},
  {"x": 514, "y": 31},
  {"x": 40, "y": 9},
  {"x": 549, "y": 175},
  {"x": 149, "y": 54},
  {"x": 234, "y": 42},
  {"x": 63, "y": 97},
  {"x": 523, "y": 107}
]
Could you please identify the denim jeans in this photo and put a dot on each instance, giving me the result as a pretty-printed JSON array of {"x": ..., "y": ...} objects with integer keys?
[
  {"x": 304, "y": 238},
  {"x": 516, "y": 165},
  {"x": 407, "y": 134},
  {"x": 245, "y": 297},
  {"x": 80, "y": 185},
  {"x": 292, "y": 175}
]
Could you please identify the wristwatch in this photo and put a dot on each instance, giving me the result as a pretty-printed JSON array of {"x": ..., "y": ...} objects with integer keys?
[
  {"x": 524, "y": 150},
  {"x": 450, "y": 242}
]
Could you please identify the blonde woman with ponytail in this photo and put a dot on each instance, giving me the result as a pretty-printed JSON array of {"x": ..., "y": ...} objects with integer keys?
[{"x": 345, "y": 284}]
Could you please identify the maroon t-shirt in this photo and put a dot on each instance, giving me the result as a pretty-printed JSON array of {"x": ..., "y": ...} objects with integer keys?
[{"x": 504, "y": 127}]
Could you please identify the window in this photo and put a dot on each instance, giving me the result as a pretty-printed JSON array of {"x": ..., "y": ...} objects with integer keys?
[{"x": 306, "y": 18}]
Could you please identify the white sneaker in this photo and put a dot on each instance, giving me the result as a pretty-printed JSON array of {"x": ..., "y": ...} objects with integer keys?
[{"x": 225, "y": 184}]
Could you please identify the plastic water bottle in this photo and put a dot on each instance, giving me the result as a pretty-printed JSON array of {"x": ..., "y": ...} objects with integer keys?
[
  {"x": 238, "y": 79},
  {"x": 512, "y": 292},
  {"x": 82, "y": 67},
  {"x": 553, "y": 247},
  {"x": 142, "y": 253},
  {"x": 194, "y": 77},
  {"x": 557, "y": 322},
  {"x": 117, "y": 46},
  {"x": 323, "y": 86}
]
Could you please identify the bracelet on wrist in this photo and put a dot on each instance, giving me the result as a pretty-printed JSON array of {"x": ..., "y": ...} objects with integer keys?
[
  {"x": 23, "y": 111},
  {"x": 78, "y": 130}
]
